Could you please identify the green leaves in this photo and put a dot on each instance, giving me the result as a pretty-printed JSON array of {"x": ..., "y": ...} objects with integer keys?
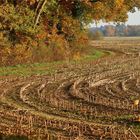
[
  {"x": 78, "y": 9},
  {"x": 22, "y": 17},
  {"x": 19, "y": 18}
]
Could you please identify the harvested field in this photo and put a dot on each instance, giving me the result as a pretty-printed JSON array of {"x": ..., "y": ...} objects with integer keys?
[{"x": 94, "y": 100}]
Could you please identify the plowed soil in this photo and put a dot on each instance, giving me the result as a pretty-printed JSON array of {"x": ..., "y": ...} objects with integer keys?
[{"x": 95, "y": 100}]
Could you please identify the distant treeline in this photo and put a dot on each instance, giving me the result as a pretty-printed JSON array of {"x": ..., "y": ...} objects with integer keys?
[{"x": 118, "y": 30}]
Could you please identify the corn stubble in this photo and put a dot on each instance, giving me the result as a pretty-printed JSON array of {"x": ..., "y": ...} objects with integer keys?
[{"x": 92, "y": 100}]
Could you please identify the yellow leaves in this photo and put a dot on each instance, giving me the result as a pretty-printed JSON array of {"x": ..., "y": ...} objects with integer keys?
[
  {"x": 98, "y": 10},
  {"x": 41, "y": 36},
  {"x": 119, "y": 3},
  {"x": 77, "y": 56},
  {"x": 15, "y": 55},
  {"x": 31, "y": 2},
  {"x": 1, "y": 35},
  {"x": 4, "y": 54},
  {"x": 22, "y": 53},
  {"x": 59, "y": 24}
]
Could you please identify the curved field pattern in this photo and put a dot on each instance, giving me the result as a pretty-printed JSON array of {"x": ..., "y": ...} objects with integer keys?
[{"x": 96, "y": 100}]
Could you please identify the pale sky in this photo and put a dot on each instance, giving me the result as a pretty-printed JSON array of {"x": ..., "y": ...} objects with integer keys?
[{"x": 134, "y": 18}]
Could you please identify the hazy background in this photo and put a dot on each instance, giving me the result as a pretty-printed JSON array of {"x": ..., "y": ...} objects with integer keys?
[{"x": 133, "y": 19}]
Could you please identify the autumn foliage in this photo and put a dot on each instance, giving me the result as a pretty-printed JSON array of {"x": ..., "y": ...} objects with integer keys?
[{"x": 41, "y": 30}]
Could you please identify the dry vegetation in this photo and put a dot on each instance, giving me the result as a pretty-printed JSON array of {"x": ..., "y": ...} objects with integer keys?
[{"x": 96, "y": 100}]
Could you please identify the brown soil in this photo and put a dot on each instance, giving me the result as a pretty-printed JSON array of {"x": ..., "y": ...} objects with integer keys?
[{"x": 92, "y": 100}]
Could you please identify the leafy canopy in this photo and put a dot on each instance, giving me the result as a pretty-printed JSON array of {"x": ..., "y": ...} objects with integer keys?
[
  {"x": 36, "y": 29},
  {"x": 26, "y": 15}
]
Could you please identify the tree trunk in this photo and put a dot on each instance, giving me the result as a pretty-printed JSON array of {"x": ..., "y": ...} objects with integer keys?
[{"x": 39, "y": 10}]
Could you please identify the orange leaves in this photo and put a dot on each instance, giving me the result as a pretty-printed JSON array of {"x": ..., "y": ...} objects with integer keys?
[
  {"x": 66, "y": 4},
  {"x": 58, "y": 22},
  {"x": 15, "y": 55},
  {"x": 77, "y": 56},
  {"x": 98, "y": 10},
  {"x": 41, "y": 36},
  {"x": 119, "y": 3},
  {"x": 31, "y": 2}
]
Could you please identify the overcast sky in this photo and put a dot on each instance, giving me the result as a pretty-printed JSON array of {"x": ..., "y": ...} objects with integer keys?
[{"x": 134, "y": 18}]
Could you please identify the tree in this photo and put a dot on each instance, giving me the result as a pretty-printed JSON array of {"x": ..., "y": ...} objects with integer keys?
[
  {"x": 82, "y": 10},
  {"x": 36, "y": 21}
]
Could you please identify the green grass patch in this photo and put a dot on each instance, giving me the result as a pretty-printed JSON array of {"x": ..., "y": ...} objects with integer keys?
[
  {"x": 47, "y": 68},
  {"x": 129, "y": 121},
  {"x": 3, "y": 137},
  {"x": 97, "y": 53},
  {"x": 94, "y": 55}
]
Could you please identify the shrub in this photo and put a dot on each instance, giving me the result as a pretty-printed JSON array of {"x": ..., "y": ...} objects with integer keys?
[{"x": 96, "y": 35}]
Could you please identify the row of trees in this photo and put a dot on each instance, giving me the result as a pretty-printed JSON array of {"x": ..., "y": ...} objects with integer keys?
[
  {"x": 118, "y": 30},
  {"x": 33, "y": 30}
]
